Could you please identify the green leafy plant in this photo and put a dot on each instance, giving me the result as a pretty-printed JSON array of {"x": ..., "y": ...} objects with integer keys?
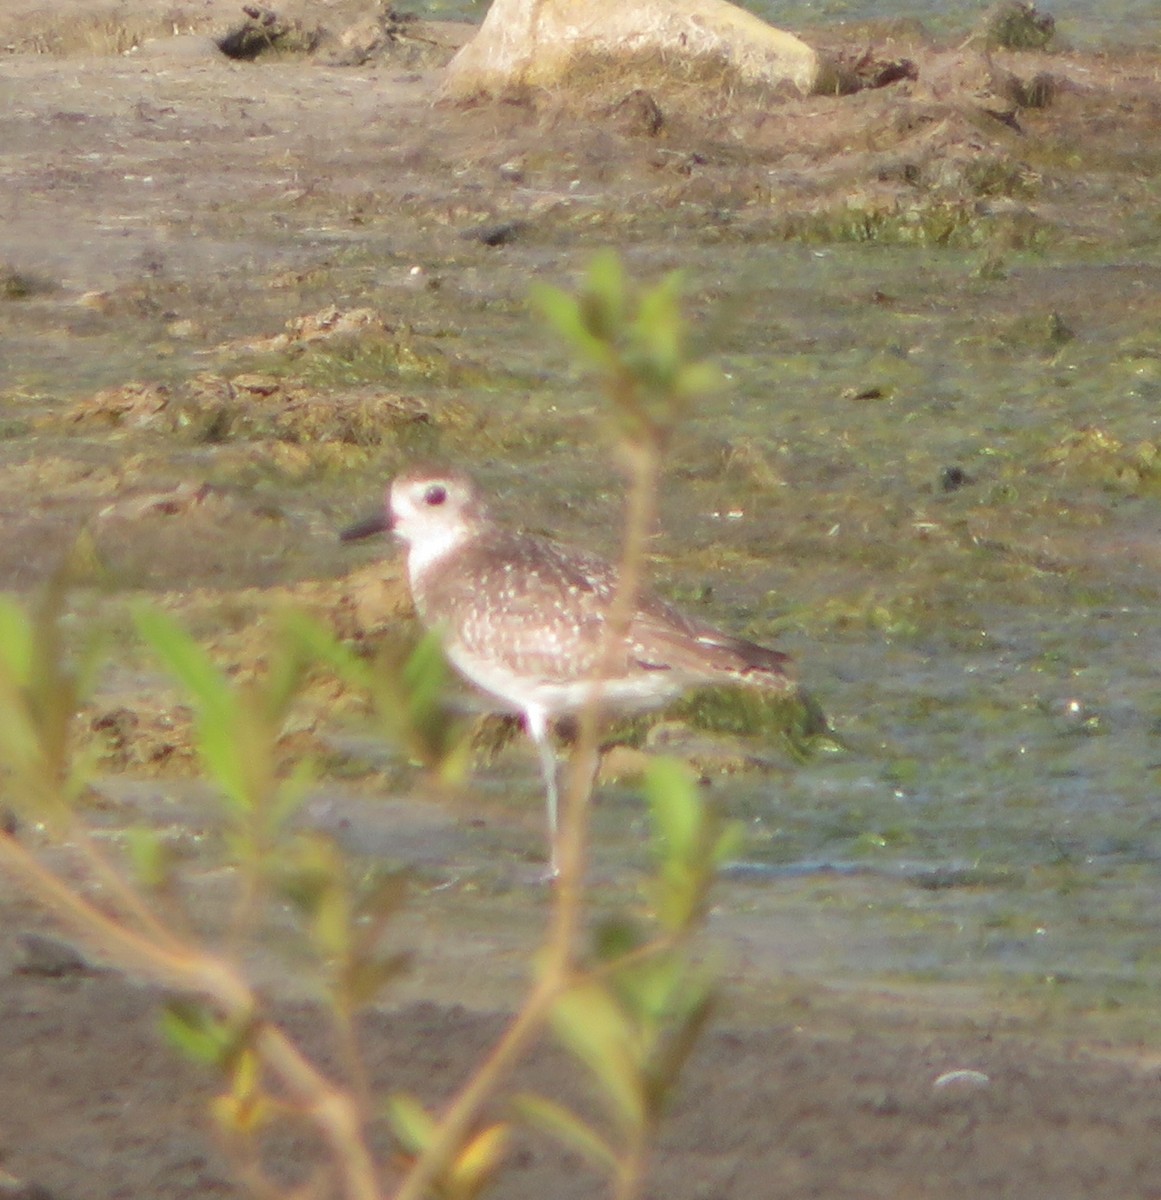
[
  {"x": 639, "y": 353},
  {"x": 407, "y": 691},
  {"x": 237, "y": 729},
  {"x": 628, "y": 1008},
  {"x": 40, "y": 689},
  {"x": 636, "y": 345},
  {"x": 634, "y": 1011}
]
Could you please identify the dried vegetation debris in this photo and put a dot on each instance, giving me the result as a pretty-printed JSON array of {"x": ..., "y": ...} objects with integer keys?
[
  {"x": 341, "y": 33},
  {"x": 257, "y": 405},
  {"x": 1018, "y": 25},
  {"x": 19, "y": 284},
  {"x": 402, "y": 37},
  {"x": 337, "y": 346},
  {"x": 938, "y": 147},
  {"x": 264, "y": 32},
  {"x": 952, "y": 153},
  {"x": 371, "y": 600},
  {"x": 855, "y": 70},
  {"x": 946, "y": 155},
  {"x": 179, "y": 500},
  {"x": 699, "y": 85},
  {"x": 991, "y": 84},
  {"x": 1092, "y": 453},
  {"x": 149, "y": 731},
  {"x": 957, "y": 156},
  {"x": 329, "y": 322},
  {"x": 638, "y": 91},
  {"x": 251, "y": 406},
  {"x": 140, "y": 739}
]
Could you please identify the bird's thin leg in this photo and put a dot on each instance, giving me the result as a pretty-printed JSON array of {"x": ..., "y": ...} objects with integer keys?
[{"x": 536, "y": 720}]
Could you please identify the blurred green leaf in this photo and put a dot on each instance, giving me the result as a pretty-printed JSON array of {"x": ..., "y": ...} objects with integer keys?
[
  {"x": 478, "y": 1161},
  {"x": 675, "y": 806},
  {"x": 592, "y": 1025},
  {"x": 345, "y": 919},
  {"x": 699, "y": 379},
  {"x": 287, "y": 665},
  {"x": 315, "y": 642},
  {"x": 660, "y": 329},
  {"x": 192, "y": 1028},
  {"x": 151, "y": 857},
  {"x": 238, "y": 726},
  {"x": 690, "y": 842},
  {"x": 16, "y": 648},
  {"x": 603, "y": 297},
  {"x": 304, "y": 869},
  {"x": 407, "y": 692},
  {"x": 245, "y": 1108},
  {"x": 425, "y": 678},
  {"x": 674, "y": 1049},
  {"x": 728, "y": 845},
  {"x": 636, "y": 344},
  {"x": 311, "y": 874},
  {"x": 564, "y": 314},
  {"x": 291, "y": 793},
  {"x": 408, "y": 696},
  {"x": 411, "y": 1123},
  {"x": 365, "y": 978},
  {"x": 40, "y": 692},
  {"x": 224, "y": 727},
  {"x": 650, "y": 989},
  {"x": 567, "y": 1127},
  {"x": 616, "y": 936},
  {"x": 20, "y": 742},
  {"x": 187, "y": 661}
]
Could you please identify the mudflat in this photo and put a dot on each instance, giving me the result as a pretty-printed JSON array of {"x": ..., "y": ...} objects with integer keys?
[{"x": 237, "y": 296}]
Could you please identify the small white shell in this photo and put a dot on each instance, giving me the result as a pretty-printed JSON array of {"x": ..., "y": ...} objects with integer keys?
[{"x": 964, "y": 1077}]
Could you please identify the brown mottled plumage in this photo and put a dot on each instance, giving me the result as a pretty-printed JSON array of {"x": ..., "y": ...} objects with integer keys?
[{"x": 524, "y": 617}]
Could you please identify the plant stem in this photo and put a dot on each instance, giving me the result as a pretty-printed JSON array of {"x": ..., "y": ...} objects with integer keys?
[
  {"x": 333, "y": 1110},
  {"x": 182, "y": 965},
  {"x": 558, "y": 964},
  {"x": 632, "y": 1165}
]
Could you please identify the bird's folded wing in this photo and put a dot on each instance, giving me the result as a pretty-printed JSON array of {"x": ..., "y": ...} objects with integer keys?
[{"x": 666, "y": 641}]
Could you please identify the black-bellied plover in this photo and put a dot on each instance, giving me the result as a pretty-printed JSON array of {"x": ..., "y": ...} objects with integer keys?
[{"x": 524, "y": 618}]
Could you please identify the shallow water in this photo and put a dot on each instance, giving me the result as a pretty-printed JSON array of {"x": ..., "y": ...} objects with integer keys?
[
  {"x": 989, "y": 652},
  {"x": 1127, "y": 22},
  {"x": 1123, "y": 23}
]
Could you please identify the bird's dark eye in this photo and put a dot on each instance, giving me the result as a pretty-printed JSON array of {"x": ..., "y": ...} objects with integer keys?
[{"x": 435, "y": 495}]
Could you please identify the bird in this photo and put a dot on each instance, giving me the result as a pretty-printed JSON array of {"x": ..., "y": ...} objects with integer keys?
[{"x": 523, "y": 617}]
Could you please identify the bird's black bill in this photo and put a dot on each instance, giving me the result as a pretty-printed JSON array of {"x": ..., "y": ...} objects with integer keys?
[{"x": 365, "y": 528}]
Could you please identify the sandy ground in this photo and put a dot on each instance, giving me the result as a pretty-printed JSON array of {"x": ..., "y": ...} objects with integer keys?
[
  {"x": 808, "y": 1106},
  {"x": 134, "y": 184}
]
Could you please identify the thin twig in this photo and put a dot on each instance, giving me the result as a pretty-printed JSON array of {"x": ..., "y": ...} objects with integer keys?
[
  {"x": 129, "y": 899},
  {"x": 171, "y": 963},
  {"x": 558, "y": 964},
  {"x": 175, "y": 964}
]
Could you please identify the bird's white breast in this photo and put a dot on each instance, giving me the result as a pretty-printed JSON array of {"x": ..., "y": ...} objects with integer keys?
[{"x": 426, "y": 552}]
